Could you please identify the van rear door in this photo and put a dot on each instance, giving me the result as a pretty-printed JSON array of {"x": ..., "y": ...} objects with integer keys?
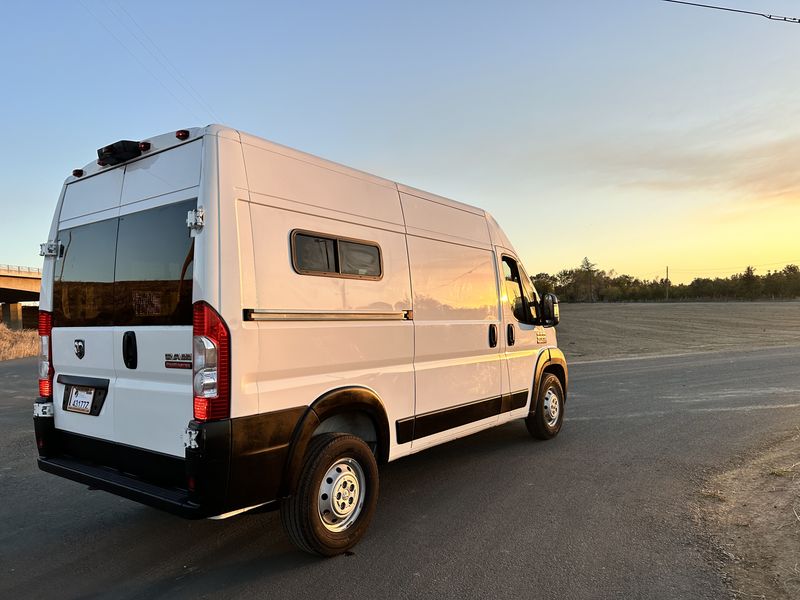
[
  {"x": 122, "y": 335},
  {"x": 122, "y": 302},
  {"x": 153, "y": 328},
  {"x": 82, "y": 335}
]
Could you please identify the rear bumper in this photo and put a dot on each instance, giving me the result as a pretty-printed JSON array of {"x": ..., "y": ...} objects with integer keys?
[
  {"x": 175, "y": 501},
  {"x": 229, "y": 464}
]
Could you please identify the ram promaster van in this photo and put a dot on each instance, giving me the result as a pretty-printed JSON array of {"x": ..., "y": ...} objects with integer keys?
[{"x": 228, "y": 324}]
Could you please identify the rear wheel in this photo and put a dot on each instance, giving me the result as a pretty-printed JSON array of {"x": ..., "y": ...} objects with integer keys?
[
  {"x": 336, "y": 495},
  {"x": 544, "y": 421}
]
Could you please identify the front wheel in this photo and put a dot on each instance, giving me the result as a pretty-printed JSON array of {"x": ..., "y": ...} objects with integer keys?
[
  {"x": 335, "y": 497},
  {"x": 544, "y": 421}
]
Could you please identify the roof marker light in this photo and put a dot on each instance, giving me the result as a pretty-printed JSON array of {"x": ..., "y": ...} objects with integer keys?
[
  {"x": 144, "y": 146},
  {"x": 77, "y": 172},
  {"x": 182, "y": 134}
]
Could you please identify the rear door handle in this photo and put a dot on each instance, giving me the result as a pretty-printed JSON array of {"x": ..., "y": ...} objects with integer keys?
[
  {"x": 510, "y": 336},
  {"x": 492, "y": 336},
  {"x": 129, "y": 351}
]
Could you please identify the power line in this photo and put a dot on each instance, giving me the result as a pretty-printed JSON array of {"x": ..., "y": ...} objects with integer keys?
[
  {"x": 138, "y": 60},
  {"x": 736, "y": 10},
  {"x": 163, "y": 60}
]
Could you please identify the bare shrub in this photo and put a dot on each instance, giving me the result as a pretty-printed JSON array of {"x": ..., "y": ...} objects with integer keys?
[{"x": 18, "y": 344}]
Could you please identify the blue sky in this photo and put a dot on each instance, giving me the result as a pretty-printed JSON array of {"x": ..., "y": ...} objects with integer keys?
[{"x": 638, "y": 133}]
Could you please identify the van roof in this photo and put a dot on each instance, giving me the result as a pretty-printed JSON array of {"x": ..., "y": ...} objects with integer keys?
[
  {"x": 169, "y": 140},
  {"x": 259, "y": 142}
]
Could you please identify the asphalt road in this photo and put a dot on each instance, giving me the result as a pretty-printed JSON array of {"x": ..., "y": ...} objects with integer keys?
[{"x": 602, "y": 511}]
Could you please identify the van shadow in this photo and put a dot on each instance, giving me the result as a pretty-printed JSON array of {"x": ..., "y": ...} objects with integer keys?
[{"x": 418, "y": 493}]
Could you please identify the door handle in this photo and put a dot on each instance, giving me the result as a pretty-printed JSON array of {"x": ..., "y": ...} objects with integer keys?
[
  {"x": 129, "y": 352},
  {"x": 510, "y": 336},
  {"x": 492, "y": 336}
]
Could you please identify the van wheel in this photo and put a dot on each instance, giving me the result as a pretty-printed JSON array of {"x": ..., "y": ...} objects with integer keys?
[
  {"x": 336, "y": 495},
  {"x": 544, "y": 422}
]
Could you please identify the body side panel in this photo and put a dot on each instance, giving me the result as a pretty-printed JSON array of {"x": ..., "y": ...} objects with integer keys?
[
  {"x": 233, "y": 273},
  {"x": 301, "y": 360}
]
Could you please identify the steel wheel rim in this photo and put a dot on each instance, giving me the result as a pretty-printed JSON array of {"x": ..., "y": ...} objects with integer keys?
[
  {"x": 341, "y": 495},
  {"x": 552, "y": 407}
]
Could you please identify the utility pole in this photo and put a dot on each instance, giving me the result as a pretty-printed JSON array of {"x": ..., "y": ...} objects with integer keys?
[{"x": 667, "y": 283}]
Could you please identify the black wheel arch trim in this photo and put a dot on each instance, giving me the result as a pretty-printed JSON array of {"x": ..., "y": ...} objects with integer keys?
[
  {"x": 334, "y": 402},
  {"x": 552, "y": 361}
]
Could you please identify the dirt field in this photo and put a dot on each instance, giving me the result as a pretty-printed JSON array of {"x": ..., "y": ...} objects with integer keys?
[
  {"x": 750, "y": 514},
  {"x": 597, "y": 331}
]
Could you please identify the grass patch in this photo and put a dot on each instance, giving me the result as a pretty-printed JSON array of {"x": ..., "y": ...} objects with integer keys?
[
  {"x": 780, "y": 472},
  {"x": 713, "y": 495},
  {"x": 783, "y": 471},
  {"x": 18, "y": 344}
]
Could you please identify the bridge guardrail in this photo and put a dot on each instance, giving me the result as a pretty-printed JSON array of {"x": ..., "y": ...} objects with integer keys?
[{"x": 19, "y": 269}]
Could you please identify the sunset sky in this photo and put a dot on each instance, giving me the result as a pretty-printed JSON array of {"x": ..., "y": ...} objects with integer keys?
[{"x": 635, "y": 132}]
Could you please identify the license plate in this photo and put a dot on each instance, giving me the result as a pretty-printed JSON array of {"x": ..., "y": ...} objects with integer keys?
[{"x": 80, "y": 399}]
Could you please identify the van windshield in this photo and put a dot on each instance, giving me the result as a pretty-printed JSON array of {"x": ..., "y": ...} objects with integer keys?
[{"x": 131, "y": 270}]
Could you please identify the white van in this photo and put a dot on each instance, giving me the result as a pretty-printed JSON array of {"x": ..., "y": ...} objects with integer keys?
[{"x": 227, "y": 324}]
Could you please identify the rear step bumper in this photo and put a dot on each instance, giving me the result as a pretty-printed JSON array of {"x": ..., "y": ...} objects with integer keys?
[
  {"x": 175, "y": 501},
  {"x": 228, "y": 464}
]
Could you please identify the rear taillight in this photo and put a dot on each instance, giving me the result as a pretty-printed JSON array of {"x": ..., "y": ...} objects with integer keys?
[
  {"x": 210, "y": 364},
  {"x": 45, "y": 353}
]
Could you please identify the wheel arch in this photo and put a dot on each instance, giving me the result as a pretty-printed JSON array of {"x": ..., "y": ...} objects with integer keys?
[
  {"x": 347, "y": 406},
  {"x": 553, "y": 361}
]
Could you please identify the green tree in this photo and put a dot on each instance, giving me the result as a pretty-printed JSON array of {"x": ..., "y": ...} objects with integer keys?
[
  {"x": 544, "y": 283},
  {"x": 588, "y": 268}
]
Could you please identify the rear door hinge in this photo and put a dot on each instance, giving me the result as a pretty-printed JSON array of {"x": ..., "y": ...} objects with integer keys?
[
  {"x": 50, "y": 249},
  {"x": 195, "y": 220}
]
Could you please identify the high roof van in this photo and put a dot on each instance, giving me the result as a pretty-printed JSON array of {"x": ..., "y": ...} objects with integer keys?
[{"x": 227, "y": 324}]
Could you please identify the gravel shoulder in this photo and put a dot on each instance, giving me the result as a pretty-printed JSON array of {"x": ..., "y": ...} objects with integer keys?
[{"x": 751, "y": 514}]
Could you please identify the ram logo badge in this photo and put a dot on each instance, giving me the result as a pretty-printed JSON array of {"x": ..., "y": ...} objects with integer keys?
[{"x": 80, "y": 348}]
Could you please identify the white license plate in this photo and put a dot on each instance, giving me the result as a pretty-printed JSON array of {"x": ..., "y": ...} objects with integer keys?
[{"x": 80, "y": 399}]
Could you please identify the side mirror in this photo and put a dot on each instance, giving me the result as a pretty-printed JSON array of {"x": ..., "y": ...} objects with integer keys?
[{"x": 549, "y": 315}]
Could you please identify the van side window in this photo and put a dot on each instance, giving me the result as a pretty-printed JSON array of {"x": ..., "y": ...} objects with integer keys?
[
  {"x": 314, "y": 254},
  {"x": 514, "y": 289},
  {"x": 359, "y": 259}
]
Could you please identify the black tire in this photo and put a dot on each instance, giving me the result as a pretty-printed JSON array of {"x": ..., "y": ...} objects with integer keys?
[
  {"x": 301, "y": 513},
  {"x": 541, "y": 422}
]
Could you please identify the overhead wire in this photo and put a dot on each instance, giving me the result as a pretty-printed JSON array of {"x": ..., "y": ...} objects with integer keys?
[
  {"x": 737, "y": 10},
  {"x": 141, "y": 63},
  {"x": 163, "y": 60}
]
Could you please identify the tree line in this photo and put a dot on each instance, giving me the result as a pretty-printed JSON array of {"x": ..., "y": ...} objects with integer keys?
[{"x": 587, "y": 283}]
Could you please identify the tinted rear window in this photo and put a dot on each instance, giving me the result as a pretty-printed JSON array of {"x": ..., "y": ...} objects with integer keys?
[
  {"x": 153, "y": 277},
  {"x": 83, "y": 291},
  {"x": 135, "y": 270}
]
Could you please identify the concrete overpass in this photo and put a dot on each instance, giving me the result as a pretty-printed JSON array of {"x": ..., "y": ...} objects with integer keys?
[{"x": 17, "y": 284}]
